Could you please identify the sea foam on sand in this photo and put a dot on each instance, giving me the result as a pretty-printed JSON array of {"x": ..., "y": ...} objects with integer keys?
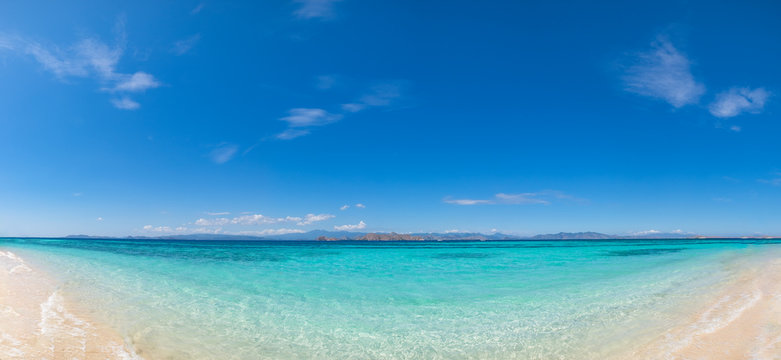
[
  {"x": 742, "y": 322},
  {"x": 36, "y": 322}
]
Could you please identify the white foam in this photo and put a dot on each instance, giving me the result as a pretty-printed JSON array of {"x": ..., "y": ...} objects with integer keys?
[
  {"x": 725, "y": 311},
  {"x": 11, "y": 256},
  {"x": 10, "y": 347},
  {"x": 56, "y": 321}
]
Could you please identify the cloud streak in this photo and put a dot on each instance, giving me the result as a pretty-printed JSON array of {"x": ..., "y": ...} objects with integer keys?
[
  {"x": 544, "y": 197},
  {"x": 223, "y": 153},
  {"x": 88, "y": 58},
  {"x": 301, "y": 120},
  {"x": 182, "y": 47},
  {"x": 315, "y": 9},
  {"x": 664, "y": 73}
]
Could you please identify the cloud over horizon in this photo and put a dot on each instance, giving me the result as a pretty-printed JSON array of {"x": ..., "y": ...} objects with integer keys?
[
  {"x": 348, "y": 227},
  {"x": 260, "y": 219}
]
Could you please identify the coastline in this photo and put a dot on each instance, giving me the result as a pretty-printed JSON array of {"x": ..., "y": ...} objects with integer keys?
[
  {"x": 743, "y": 321},
  {"x": 37, "y": 322},
  {"x": 739, "y": 319}
]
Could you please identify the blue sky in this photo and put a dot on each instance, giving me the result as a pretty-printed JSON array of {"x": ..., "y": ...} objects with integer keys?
[{"x": 148, "y": 117}]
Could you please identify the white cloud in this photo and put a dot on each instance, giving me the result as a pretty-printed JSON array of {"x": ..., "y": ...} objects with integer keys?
[
  {"x": 353, "y": 107},
  {"x": 468, "y": 201},
  {"x": 664, "y": 73},
  {"x": 223, "y": 153},
  {"x": 217, "y": 213},
  {"x": 159, "y": 229},
  {"x": 260, "y": 219},
  {"x": 362, "y": 206},
  {"x": 735, "y": 128},
  {"x": 182, "y": 47},
  {"x": 292, "y": 134},
  {"x": 358, "y": 226},
  {"x": 87, "y": 58},
  {"x": 212, "y": 222},
  {"x": 344, "y": 207},
  {"x": 99, "y": 219},
  {"x": 272, "y": 232},
  {"x": 544, "y": 197},
  {"x": 304, "y": 117},
  {"x": 523, "y": 198},
  {"x": 311, "y": 9},
  {"x": 77, "y": 194},
  {"x": 125, "y": 103},
  {"x": 138, "y": 82},
  {"x": 299, "y": 119},
  {"x": 311, "y": 218},
  {"x": 738, "y": 100},
  {"x": 255, "y": 219}
]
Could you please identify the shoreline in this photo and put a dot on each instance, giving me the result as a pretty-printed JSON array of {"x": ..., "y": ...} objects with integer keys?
[
  {"x": 742, "y": 322},
  {"x": 739, "y": 319},
  {"x": 37, "y": 322}
]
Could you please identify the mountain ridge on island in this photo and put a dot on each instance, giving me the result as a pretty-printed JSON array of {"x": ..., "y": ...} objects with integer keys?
[{"x": 324, "y": 235}]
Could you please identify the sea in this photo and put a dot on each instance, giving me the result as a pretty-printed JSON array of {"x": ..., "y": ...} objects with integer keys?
[{"x": 591, "y": 299}]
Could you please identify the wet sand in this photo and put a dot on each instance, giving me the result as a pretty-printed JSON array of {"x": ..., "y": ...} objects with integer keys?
[
  {"x": 742, "y": 322},
  {"x": 36, "y": 322}
]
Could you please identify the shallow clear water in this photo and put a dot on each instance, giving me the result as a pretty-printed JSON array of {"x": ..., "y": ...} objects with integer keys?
[{"x": 289, "y": 300}]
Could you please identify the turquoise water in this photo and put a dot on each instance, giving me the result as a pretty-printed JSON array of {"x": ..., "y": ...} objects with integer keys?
[{"x": 378, "y": 300}]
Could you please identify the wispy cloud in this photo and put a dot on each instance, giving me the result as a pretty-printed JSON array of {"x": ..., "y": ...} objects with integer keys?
[
  {"x": 223, "y": 153},
  {"x": 358, "y": 206},
  {"x": 272, "y": 232},
  {"x": 775, "y": 181},
  {"x": 303, "y": 117},
  {"x": 379, "y": 95},
  {"x": 358, "y": 226},
  {"x": 260, "y": 219},
  {"x": 87, "y": 58},
  {"x": 544, "y": 197},
  {"x": 735, "y": 101},
  {"x": 220, "y": 213},
  {"x": 125, "y": 103},
  {"x": 182, "y": 47},
  {"x": 325, "y": 82},
  {"x": 314, "y": 9},
  {"x": 299, "y": 120},
  {"x": 198, "y": 8},
  {"x": 312, "y": 218},
  {"x": 663, "y": 72}
]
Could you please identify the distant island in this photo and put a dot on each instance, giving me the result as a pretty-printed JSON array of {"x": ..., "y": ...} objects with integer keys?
[{"x": 323, "y": 235}]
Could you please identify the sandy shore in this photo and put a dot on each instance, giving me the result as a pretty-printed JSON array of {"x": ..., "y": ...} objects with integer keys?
[
  {"x": 36, "y": 322},
  {"x": 742, "y": 322}
]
